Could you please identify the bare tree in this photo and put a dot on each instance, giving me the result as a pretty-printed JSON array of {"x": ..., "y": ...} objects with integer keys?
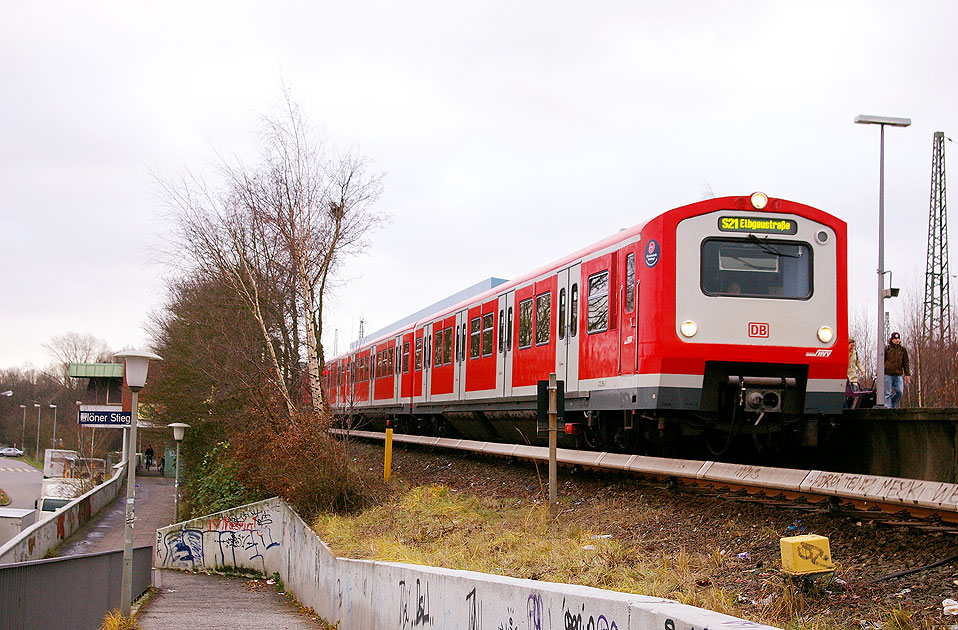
[
  {"x": 277, "y": 233},
  {"x": 73, "y": 347},
  {"x": 322, "y": 208},
  {"x": 861, "y": 328}
]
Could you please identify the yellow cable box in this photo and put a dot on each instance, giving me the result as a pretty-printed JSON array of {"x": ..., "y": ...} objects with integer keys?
[{"x": 806, "y": 554}]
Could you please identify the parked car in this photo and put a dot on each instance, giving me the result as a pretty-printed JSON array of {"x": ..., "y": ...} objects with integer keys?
[{"x": 10, "y": 451}]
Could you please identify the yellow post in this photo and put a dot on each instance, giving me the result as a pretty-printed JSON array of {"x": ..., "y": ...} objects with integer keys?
[{"x": 388, "y": 464}]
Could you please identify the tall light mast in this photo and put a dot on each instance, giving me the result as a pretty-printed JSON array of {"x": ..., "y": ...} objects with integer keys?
[{"x": 936, "y": 317}]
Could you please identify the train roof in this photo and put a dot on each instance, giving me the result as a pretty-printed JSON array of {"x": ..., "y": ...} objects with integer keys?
[
  {"x": 463, "y": 298},
  {"x": 456, "y": 298}
]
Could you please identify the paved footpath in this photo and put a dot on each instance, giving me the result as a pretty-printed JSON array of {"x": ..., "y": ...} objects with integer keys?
[
  {"x": 104, "y": 532},
  {"x": 208, "y": 602}
]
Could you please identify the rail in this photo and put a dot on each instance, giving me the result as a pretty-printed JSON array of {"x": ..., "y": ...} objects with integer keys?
[
  {"x": 919, "y": 498},
  {"x": 71, "y": 593}
]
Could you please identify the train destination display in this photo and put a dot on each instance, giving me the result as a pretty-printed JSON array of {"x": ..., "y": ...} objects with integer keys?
[{"x": 761, "y": 225}]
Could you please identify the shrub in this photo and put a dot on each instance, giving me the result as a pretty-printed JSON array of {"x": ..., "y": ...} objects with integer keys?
[
  {"x": 302, "y": 463},
  {"x": 217, "y": 485}
]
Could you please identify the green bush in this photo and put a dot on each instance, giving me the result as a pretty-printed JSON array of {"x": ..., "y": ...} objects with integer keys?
[{"x": 217, "y": 485}]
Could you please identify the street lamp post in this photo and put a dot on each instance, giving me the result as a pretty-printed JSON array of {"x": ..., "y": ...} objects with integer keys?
[
  {"x": 882, "y": 121},
  {"x": 37, "y": 452},
  {"x": 179, "y": 430},
  {"x": 23, "y": 433},
  {"x": 137, "y": 366},
  {"x": 54, "y": 407}
]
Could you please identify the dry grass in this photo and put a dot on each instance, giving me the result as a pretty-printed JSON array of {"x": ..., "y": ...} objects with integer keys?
[
  {"x": 437, "y": 526},
  {"x": 115, "y": 620}
]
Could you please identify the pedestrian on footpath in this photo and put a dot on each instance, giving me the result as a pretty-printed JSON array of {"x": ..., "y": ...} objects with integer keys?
[{"x": 897, "y": 371}]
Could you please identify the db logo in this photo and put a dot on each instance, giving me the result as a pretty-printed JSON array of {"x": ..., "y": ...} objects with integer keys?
[{"x": 758, "y": 329}]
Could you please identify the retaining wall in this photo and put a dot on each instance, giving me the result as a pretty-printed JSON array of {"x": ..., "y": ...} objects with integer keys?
[
  {"x": 34, "y": 542},
  {"x": 268, "y": 537}
]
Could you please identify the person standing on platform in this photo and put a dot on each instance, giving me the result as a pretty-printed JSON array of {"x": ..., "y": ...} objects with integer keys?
[
  {"x": 897, "y": 371},
  {"x": 855, "y": 371}
]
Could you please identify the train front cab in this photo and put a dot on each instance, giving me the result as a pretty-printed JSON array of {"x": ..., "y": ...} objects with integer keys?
[{"x": 761, "y": 311}]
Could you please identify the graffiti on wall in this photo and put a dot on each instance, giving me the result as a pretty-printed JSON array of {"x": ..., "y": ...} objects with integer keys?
[
  {"x": 237, "y": 539},
  {"x": 414, "y": 605}
]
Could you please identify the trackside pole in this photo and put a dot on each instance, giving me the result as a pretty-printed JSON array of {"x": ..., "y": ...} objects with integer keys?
[
  {"x": 553, "y": 491},
  {"x": 388, "y": 463}
]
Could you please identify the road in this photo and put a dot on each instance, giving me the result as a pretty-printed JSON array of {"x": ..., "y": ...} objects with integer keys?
[{"x": 21, "y": 481}]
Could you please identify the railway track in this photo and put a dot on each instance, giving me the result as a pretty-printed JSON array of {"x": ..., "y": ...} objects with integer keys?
[{"x": 924, "y": 506}]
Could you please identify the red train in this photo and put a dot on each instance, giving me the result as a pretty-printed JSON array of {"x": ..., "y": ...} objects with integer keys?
[{"x": 721, "y": 317}]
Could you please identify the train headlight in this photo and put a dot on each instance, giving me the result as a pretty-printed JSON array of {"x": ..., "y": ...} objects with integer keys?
[
  {"x": 759, "y": 200},
  {"x": 825, "y": 334},
  {"x": 689, "y": 328}
]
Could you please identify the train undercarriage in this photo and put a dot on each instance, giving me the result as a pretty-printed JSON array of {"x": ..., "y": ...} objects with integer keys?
[{"x": 740, "y": 411}]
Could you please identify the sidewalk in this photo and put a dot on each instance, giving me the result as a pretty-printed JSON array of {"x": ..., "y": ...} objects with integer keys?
[
  {"x": 104, "y": 532},
  {"x": 201, "y": 602}
]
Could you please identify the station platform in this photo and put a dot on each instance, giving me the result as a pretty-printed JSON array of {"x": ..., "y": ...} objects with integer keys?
[{"x": 911, "y": 443}]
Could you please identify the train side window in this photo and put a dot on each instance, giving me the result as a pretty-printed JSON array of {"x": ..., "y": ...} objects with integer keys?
[
  {"x": 389, "y": 364},
  {"x": 437, "y": 348},
  {"x": 474, "y": 338},
  {"x": 447, "y": 346},
  {"x": 418, "y": 354},
  {"x": 488, "y": 325},
  {"x": 629, "y": 283},
  {"x": 574, "y": 310},
  {"x": 543, "y": 318},
  {"x": 378, "y": 357},
  {"x": 500, "y": 330},
  {"x": 428, "y": 350},
  {"x": 405, "y": 357},
  {"x": 509, "y": 330},
  {"x": 525, "y": 324},
  {"x": 561, "y": 313},
  {"x": 597, "y": 317}
]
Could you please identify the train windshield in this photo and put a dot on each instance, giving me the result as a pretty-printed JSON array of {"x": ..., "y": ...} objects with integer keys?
[{"x": 757, "y": 268}]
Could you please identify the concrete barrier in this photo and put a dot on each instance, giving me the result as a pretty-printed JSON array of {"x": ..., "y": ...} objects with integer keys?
[
  {"x": 46, "y": 534},
  {"x": 268, "y": 537}
]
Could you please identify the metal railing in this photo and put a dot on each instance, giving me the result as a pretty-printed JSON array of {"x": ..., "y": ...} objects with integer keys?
[{"x": 72, "y": 593}]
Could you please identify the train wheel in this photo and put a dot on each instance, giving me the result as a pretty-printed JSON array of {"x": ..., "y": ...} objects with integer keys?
[
  {"x": 591, "y": 438},
  {"x": 625, "y": 440}
]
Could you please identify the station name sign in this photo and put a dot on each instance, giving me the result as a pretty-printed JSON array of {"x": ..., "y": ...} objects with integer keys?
[
  {"x": 104, "y": 416},
  {"x": 759, "y": 225}
]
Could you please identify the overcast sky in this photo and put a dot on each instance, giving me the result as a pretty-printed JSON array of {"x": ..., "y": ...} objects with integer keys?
[{"x": 508, "y": 133}]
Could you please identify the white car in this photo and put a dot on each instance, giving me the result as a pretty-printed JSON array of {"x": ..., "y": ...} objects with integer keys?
[{"x": 10, "y": 451}]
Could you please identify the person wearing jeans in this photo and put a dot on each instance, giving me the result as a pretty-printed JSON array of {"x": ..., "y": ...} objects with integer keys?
[{"x": 897, "y": 371}]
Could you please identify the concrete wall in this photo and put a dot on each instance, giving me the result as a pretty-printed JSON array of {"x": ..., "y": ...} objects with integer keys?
[
  {"x": 34, "y": 542},
  {"x": 359, "y": 594}
]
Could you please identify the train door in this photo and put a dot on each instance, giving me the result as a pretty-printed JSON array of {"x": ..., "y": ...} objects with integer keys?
[
  {"x": 506, "y": 326},
  {"x": 459, "y": 378},
  {"x": 427, "y": 363},
  {"x": 567, "y": 327},
  {"x": 371, "y": 375},
  {"x": 396, "y": 366},
  {"x": 628, "y": 310}
]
